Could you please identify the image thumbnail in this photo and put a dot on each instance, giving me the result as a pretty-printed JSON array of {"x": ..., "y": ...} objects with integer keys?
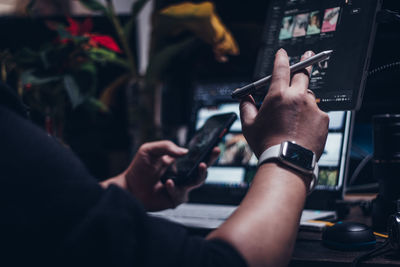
[
  {"x": 314, "y": 23},
  {"x": 287, "y": 28},
  {"x": 320, "y": 68},
  {"x": 331, "y": 155},
  {"x": 327, "y": 177},
  {"x": 294, "y": 59},
  {"x": 300, "y": 25},
  {"x": 235, "y": 151},
  {"x": 330, "y": 19}
]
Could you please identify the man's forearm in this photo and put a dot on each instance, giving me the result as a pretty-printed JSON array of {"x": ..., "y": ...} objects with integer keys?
[{"x": 254, "y": 228}]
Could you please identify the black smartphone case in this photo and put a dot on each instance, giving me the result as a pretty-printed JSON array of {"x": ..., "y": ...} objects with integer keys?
[{"x": 185, "y": 169}]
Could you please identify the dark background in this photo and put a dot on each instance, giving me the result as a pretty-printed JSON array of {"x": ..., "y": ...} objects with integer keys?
[
  {"x": 246, "y": 20},
  {"x": 99, "y": 139},
  {"x": 382, "y": 94}
]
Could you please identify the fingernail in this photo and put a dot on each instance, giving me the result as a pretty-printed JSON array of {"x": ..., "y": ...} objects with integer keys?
[
  {"x": 282, "y": 51},
  {"x": 183, "y": 150},
  {"x": 308, "y": 54}
]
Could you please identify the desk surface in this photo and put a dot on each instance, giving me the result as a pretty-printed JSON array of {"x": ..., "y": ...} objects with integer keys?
[{"x": 310, "y": 252}]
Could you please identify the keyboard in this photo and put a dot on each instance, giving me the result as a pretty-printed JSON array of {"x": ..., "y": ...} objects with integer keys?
[
  {"x": 210, "y": 216},
  {"x": 197, "y": 215}
]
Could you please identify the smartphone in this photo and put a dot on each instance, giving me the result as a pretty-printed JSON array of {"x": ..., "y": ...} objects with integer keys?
[{"x": 185, "y": 169}]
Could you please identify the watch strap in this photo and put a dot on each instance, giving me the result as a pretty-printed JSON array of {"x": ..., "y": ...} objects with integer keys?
[
  {"x": 270, "y": 153},
  {"x": 274, "y": 152}
]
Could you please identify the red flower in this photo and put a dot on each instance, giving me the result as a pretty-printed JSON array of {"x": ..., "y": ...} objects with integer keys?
[
  {"x": 83, "y": 29},
  {"x": 105, "y": 41},
  {"x": 78, "y": 29}
]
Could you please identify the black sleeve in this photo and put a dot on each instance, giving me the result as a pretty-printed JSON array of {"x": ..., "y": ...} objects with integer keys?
[{"x": 54, "y": 213}]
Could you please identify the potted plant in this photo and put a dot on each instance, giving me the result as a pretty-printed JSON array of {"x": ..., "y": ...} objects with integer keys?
[
  {"x": 62, "y": 75},
  {"x": 176, "y": 28},
  {"x": 196, "y": 22}
]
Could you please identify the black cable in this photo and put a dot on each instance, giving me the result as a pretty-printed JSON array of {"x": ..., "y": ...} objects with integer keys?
[
  {"x": 365, "y": 256},
  {"x": 388, "y": 16},
  {"x": 359, "y": 150},
  {"x": 393, "y": 65},
  {"x": 359, "y": 168},
  {"x": 362, "y": 188}
]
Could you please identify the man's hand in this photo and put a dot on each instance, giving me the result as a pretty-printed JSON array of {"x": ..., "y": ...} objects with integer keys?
[
  {"x": 288, "y": 113},
  {"x": 142, "y": 178},
  {"x": 264, "y": 227}
]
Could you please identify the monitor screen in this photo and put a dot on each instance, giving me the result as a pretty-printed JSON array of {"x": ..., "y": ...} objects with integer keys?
[
  {"x": 237, "y": 163},
  {"x": 345, "y": 26}
]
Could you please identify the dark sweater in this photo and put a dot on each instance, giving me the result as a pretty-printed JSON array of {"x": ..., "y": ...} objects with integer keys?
[{"x": 54, "y": 213}]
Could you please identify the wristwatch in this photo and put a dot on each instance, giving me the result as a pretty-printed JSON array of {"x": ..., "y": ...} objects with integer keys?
[{"x": 295, "y": 157}]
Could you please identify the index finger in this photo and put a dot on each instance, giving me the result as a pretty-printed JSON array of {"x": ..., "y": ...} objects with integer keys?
[
  {"x": 281, "y": 72},
  {"x": 301, "y": 79}
]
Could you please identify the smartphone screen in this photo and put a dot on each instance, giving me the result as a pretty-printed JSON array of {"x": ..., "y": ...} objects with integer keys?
[{"x": 184, "y": 170}]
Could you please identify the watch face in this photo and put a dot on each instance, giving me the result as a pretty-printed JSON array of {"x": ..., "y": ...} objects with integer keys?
[{"x": 298, "y": 156}]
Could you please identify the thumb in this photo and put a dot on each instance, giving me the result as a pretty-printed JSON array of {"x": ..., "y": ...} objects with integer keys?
[
  {"x": 161, "y": 148},
  {"x": 248, "y": 110}
]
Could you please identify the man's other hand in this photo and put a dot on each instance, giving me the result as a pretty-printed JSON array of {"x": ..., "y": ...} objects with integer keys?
[
  {"x": 142, "y": 177},
  {"x": 288, "y": 113}
]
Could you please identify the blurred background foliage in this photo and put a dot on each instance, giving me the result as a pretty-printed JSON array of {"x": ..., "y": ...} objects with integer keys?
[{"x": 83, "y": 84}]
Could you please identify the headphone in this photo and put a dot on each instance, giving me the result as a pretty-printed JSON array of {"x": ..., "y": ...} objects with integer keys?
[{"x": 393, "y": 228}]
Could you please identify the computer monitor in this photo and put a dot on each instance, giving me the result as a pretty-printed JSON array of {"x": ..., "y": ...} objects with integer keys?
[
  {"x": 348, "y": 28},
  {"x": 232, "y": 174},
  {"x": 345, "y": 26}
]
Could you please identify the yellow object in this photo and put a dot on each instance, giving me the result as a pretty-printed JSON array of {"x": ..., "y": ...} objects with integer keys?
[
  {"x": 324, "y": 222},
  {"x": 332, "y": 224},
  {"x": 107, "y": 96},
  {"x": 381, "y": 235},
  {"x": 203, "y": 21}
]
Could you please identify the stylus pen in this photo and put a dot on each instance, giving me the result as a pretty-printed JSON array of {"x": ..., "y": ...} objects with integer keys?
[{"x": 253, "y": 87}]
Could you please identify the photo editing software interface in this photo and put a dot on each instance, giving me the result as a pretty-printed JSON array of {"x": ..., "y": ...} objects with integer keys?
[
  {"x": 343, "y": 26},
  {"x": 236, "y": 165}
]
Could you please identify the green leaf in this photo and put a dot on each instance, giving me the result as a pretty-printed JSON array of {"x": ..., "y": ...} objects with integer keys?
[
  {"x": 88, "y": 67},
  {"x": 64, "y": 34},
  {"x": 93, "y": 5},
  {"x": 27, "y": 77},
  {"x": 98, "y": 105},
  {"x": 131, "y": 24},
  {"x": 73, "y": 91},
  {"x": 129, "y": 28},
  {"x": 102, "y": 55},
  {"x": 44, "y": 59},
  {"x": 89, "y": 72}
]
